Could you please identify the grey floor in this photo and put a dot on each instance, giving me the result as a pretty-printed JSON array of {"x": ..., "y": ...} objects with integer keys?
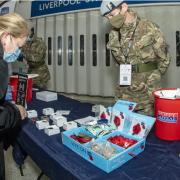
[{"x": 30, "y": 169}]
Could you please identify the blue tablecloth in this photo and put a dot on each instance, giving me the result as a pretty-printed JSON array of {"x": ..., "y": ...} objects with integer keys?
[{"x": 160, "y": 160}]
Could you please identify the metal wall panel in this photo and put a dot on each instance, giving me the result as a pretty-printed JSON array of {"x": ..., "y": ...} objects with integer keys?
[
  {"x": 50, "y": 58},
  {"x": 70, "y": 54},
  {"x": 109, "y": 68},
  {"x": 41, "y": 28},
  {"x": 83, "y": 68},
  {"x": 81, "y": 62},
  {"x": 94, "y": 73},
  {"x": 59, "y": 54}
]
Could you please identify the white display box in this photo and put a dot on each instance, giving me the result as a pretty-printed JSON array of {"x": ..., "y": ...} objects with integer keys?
[
  {"x": 63, "y": 112},
  {"x": 52, "y": 130},
  {"x": 32, "y": 114},
  {"x": 48, "y": 111},
  {"x": 54, "y": 115},
  {"x": 46, "y": 96},
  {"x": 87, "y": 120},
  {"x": 98, "y": 109},
  {"x": 42, "y": 124},
  {"x": 69, "y": 125},
  {"x": 59, "y": 120}
]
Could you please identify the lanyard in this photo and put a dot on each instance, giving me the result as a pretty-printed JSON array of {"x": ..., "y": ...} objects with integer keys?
[{"x": 126, "y": 54}]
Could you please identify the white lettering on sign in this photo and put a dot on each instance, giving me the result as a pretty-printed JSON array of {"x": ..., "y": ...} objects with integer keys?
[
  {"x": 167, "y": 117},
  {"x": 55, "y": 4}
]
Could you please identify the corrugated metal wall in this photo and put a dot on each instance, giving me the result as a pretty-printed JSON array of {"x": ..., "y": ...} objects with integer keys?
[{"x": 77, "y": 56}]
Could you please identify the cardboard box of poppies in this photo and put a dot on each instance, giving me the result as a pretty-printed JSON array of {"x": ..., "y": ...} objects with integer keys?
[{"x": 117, "y": 136}]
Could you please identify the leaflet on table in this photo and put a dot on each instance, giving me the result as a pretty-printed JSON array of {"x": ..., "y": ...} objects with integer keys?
[{"x": 87, "y": 120}]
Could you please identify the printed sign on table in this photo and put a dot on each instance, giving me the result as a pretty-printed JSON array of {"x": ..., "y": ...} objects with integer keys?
[{"x": 21, "y": 89}]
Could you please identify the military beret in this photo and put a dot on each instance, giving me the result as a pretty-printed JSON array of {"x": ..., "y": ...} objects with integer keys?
[{"x": 108, "y": 6}]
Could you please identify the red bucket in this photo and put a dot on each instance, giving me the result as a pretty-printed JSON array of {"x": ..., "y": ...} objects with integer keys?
[
  {"x": 14, "y": 83},
  {"x": 167, "y": 113}
]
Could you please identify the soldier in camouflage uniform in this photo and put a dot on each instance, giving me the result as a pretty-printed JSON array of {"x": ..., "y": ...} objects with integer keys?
[
  {"x": 34, "y": 52},
  {"x": 139, "y": 42}
]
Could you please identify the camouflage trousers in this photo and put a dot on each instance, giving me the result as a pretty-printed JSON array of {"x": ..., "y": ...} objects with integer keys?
[{"x": 140, "y": 92}]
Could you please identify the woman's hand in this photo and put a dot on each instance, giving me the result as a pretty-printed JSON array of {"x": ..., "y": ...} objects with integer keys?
[{"x": 22, "y": 111}]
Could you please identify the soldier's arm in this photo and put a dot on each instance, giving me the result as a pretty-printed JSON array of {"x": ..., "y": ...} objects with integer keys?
[
  {"x": 153, "y": 36},
  {"x": 161, "y": 51},
  {"x": 116, "y": 57},
  {"x": 163, "y": 59},
  {"x": 114, "y": 45}
]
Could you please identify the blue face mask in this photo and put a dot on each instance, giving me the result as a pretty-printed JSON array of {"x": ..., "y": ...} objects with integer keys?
[{"x": 12, "y": 56}]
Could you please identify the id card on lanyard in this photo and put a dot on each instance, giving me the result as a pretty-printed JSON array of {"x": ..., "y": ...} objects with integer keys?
[
  {"x": 125, "y": 70},
  {"x": 125, "y": 74}
]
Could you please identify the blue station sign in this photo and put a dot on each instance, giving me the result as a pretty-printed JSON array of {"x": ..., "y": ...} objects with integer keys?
[{"x": 46, "y": 7}]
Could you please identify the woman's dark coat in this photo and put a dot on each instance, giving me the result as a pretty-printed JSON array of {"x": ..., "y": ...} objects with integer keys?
[{"x": 9, "y": 115}]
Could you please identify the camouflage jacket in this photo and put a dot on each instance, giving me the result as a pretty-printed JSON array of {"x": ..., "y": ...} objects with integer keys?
[{"x": 148, "y": 44}]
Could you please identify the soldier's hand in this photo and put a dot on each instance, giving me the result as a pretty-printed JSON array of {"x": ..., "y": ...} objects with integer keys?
[
  {"x": 138, "y": 87},
  {"x": 22, "y": 111},
  {"x": 154, "y": 78}
]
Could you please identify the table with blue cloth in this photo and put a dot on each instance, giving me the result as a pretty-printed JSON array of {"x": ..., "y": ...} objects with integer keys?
[{"x": 160, "y": 159}]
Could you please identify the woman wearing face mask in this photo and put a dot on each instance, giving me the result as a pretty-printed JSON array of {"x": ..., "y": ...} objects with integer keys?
[
  {"x": 13, "y": 34},
  {"x": 139, "y": 47}
]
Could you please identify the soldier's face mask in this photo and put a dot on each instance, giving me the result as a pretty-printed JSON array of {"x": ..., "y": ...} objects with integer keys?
[{"x": 117, "y": 21}]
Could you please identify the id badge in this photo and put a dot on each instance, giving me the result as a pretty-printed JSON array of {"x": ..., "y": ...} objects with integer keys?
[{"x": 125, "y": 75}]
